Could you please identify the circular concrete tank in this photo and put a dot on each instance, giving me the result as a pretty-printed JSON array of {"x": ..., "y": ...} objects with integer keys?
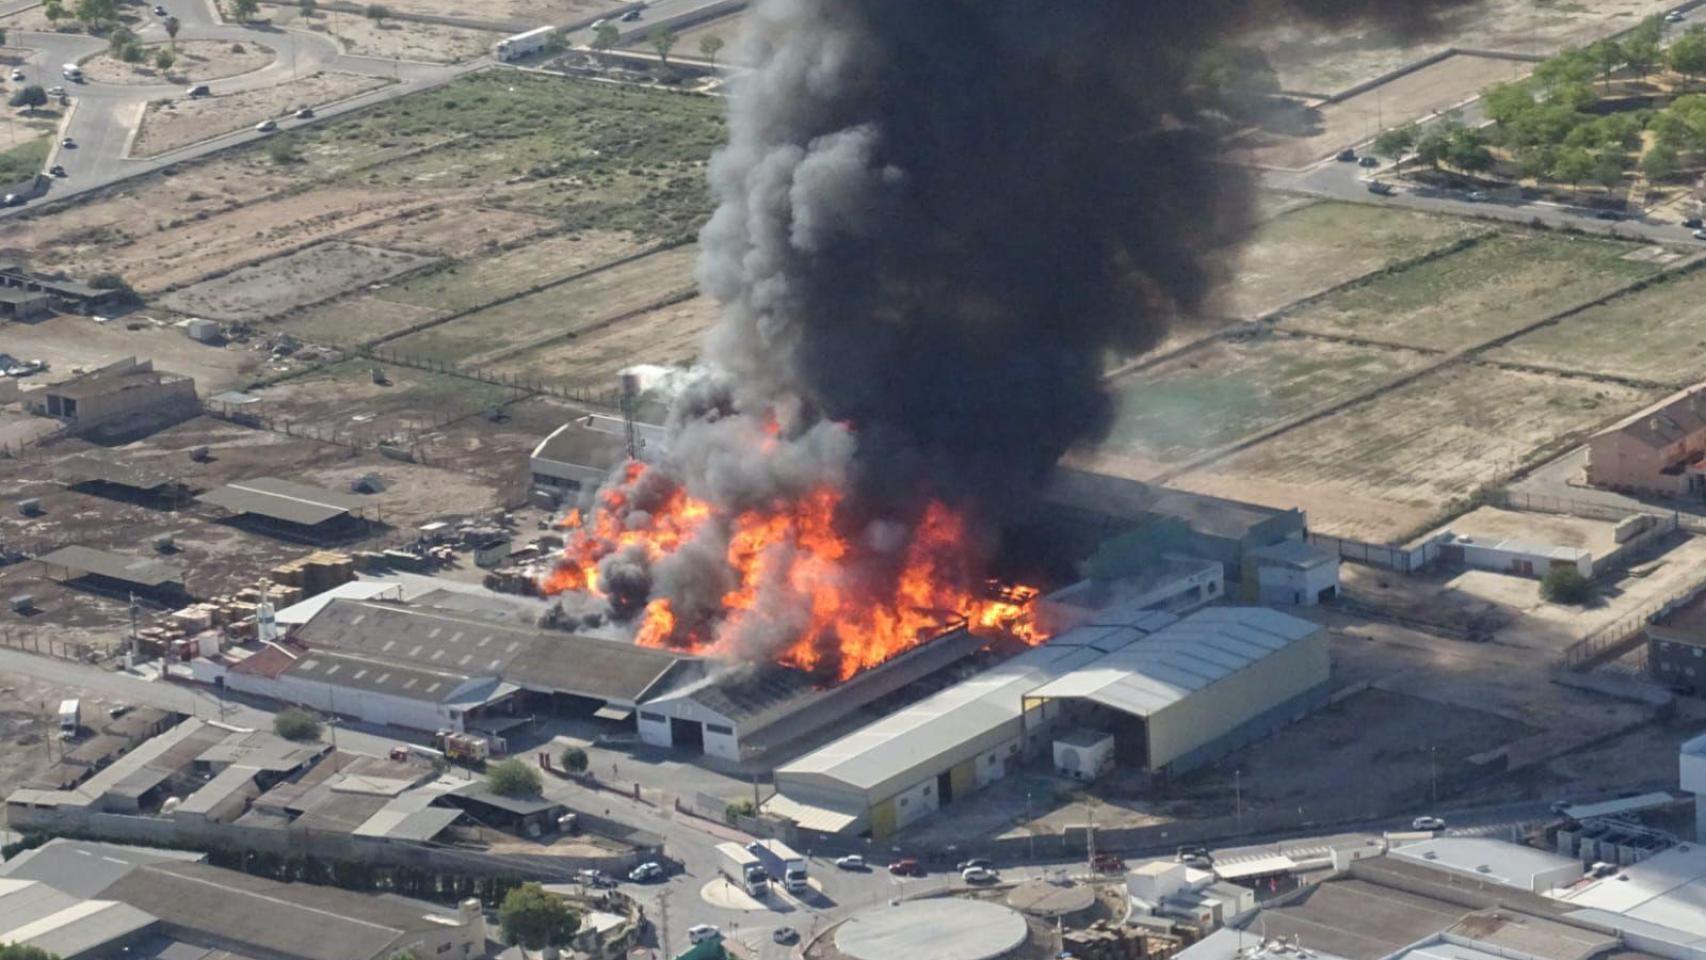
[
  {"x": 1045, "y": 898},
  {"x": 940, "y": 929}
]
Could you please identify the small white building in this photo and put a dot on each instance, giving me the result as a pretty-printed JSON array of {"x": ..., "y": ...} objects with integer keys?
[
  {"x": 1294, "y": 573},
  {"x": 1084, "y": 754},
  {"x": 1164, "y": 888},
  {"x": 1491, "y": 861},
  {"x": 1524, "y": 558}
]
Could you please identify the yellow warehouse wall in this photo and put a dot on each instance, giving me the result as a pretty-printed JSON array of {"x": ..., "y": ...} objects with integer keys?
[{"x": 1224, "y": 705}]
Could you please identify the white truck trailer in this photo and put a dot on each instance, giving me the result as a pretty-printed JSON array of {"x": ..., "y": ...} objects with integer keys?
[
  {"x": 70, "y": 718},
  {"x": 522, "y": 44},
  {"x": 743, "y": 869},
  {"x": 781, "y": 862}
]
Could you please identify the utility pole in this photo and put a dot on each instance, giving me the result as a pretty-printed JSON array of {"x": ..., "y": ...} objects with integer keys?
[
  {"x": 1433, "y": 776},
  {"x": 663, "y": 922},
  {"x": 1238, "y": 796},
  {"x": 1090, "y": 831}
]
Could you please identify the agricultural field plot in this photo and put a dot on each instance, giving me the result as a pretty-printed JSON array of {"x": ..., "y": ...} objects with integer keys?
[
  {"x": 343, "y": 397},
  {"x": 1498, "y": 286},
  {"x": 1318, "y": 60},
  {"x": 169, "y": 124},
  {"x": 1314, "y": 134},
  {"x": 1228, "y": 390},
  {"x": 1654, "y": 334},
  {"x": 667, "y": 336},
  {"x": 594, "y": 156},
  {"x": 307, "y": 276},
  {"x": 1380, "y": 469},
  {"x": 1317, "y": 246},
  {"x": 198, "y": 62},
  {"x": 540, "y": 319}
]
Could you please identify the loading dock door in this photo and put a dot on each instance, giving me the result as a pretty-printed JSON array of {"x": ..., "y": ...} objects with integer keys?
[{"x": 687, "y": 734}]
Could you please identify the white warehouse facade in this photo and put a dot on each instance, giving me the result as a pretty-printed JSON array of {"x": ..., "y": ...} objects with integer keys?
[{"x": 1175, "y": 693}]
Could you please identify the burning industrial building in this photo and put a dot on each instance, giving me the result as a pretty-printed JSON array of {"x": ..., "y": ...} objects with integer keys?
[{"x": 936, "y": 222}]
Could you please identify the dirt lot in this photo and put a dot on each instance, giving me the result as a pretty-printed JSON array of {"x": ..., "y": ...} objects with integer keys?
[
  {"x": 28, "y": 718},
  {"x": 728, "y": 28},
  {"x": 169, "y": 124},
  {"x": 198, "y": 61},
  {"x": 308, "y": 276},
  {"x": 1304, "y": 250},
  {"x": 1314, "y": 134},
  {"x": 1312, "y": 59},
  {"x": 669, "y": 335},
  {"x": 1231, "y": 389},
  {"x": 1500, "y": 285},
  {"x": 1657, "y": 333},
  {"x": 70, "y": 341},
  {"x": 533, "y": 12},
  {"x": 396, "y": 39},
  {"x": 520, "y": 326},
  {"x": 1378, "y": 470}
]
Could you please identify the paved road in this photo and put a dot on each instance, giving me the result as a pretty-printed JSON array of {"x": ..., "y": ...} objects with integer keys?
[{"x": 103, "y": 116}]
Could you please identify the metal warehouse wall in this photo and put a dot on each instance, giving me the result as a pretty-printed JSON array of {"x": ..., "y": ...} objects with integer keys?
[{"x": 1220, "y": 707}]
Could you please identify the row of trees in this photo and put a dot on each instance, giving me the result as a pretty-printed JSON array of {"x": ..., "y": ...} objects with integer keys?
[{"x": 663, "y": 40}]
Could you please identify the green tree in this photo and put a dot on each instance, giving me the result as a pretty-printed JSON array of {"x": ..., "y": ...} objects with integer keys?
[
  {"x": 163, "y": 60},
  {"x": 1507, "y": 103},
  {"x": 1533, "y": 162},
  {"x": 1572, "y": 165},
  {"x": 307, "y": 7},
  {"x": 30, "y": 98},
  {"x": 1660, "y": 162},
  {"x": 1687, "y": 55},
  {"x": 1642, "y": 45},
  {"x": 574, "y": 759},
  {"x": 663, "y": 41},
  {"x": 53, "y": 10},
  {"x": 709, "y": 46},
  {"x": 173, "y": 25},
  {"x": 1608, "y": 55},
  {"x": 93, "y": 12},
  {"x": 282, "y": 150},
  {"x": 1608, "y": 169},
  {"x": 294, "y": 723},
  {"x": 18, "y": 951},
  {"x": 245, "y": 10},
  {"x": 1432, "y": 148},
  {"x": 1393, "y": 144},
  {"x": 1568, "y": 67},
  {"x": 1465, "y": 151},
  {"x": 605, "y": 37},
  {"x": 534, "y": 919},
  {"x": 1563, "y": 584},
  {"x": 512, "y": 778},
  {"x": 377, "y": 12}
]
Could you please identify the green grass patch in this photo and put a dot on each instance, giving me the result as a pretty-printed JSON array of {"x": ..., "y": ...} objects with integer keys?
[
  {"x": 1502, "y": 284},
  {"x": 595, "y": 156},
  {"x": 25, "y": 159}
]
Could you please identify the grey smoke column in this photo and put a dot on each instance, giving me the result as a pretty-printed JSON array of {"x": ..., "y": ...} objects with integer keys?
[{"x": 938, "y": 217}]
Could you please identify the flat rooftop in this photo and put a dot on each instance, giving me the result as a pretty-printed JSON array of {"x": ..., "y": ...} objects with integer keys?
[
  {"x": 143, "y": 572},
  {"x": 1358, "y": 920}
]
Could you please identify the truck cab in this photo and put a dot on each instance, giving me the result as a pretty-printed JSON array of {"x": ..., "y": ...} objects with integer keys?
[{"x": 70, "y": 719}]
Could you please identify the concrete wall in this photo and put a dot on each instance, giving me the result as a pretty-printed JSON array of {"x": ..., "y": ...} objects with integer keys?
[
  {"x": 379, "y": 708},
  {"x": 1223, "y": 706}
]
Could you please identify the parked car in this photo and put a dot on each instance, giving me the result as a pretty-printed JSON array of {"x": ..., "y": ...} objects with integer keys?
[
  {"x": 1368, "y": 161},
  {"x": 701, "y": 932},
  {"x": 631, "y": 16},
  {"x": 200, "y": 90},
  {"x": 1427, "y": 823},
  {"x": 785, "y": 935},
  {"x": 1107, "y": 863},
  {"x": 851, "y": 862},
  {"x": 1476, "y": 196},
  {"x": 1195, "y": 857},
  {"x": 595, "y": 878},
  {"x": 159, "y": 10},
  {"x": 12, "y": 200},
  {"x": 1700, "y": 234},
  {"x": 17, "y": 75},
  {"x": 1675, "y": 16},
  {"x": 57, "y": 170},
  {"x": 647, "y": 872},
  {"x": 306, "y": 113},
  {"x": 907, "y": 867},
  {"x": 1694, "y": 223},
  {"x": 1560, "y": 806},
  {"x": 1381, "y": 187},
  {"x": 983, "y": 862},
  {"x": 56, "y": 91},
  {"x": 978, "y": 875},
  {"x": 1346, "y": 155},
  {"x": 1608, "y": 215},
  {"x": 68, "y": 143},
  {"x": 266, "y": 126}
]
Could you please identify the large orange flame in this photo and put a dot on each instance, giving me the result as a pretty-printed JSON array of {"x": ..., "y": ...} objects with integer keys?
[{"x": 789, "y": 561}]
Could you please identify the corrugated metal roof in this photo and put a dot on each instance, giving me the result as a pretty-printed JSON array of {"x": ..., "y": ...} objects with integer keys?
[
  {"x": 142, "y": 572},
  {"x": 78, "y": 928},
  {"x": 811, "y": 816},
  {"x": 88, "y": 467},
  {"x": 283, "y": 500}
]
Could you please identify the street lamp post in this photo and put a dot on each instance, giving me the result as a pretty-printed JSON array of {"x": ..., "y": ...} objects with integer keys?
[{"x": 1238, "y": 796}]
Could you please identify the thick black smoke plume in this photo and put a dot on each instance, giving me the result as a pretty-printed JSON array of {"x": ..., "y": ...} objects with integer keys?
[{"x": 938, "y": 218}]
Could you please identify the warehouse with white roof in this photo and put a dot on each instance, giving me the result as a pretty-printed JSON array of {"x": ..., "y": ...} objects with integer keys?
[{"x": 1174, "y": 692}]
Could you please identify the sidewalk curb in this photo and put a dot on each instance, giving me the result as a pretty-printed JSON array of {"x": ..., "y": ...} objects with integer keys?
[{"x": 59, "y": 135}]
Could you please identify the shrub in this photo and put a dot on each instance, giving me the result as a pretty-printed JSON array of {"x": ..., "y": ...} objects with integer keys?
[
  {"x": 296, "y": 724},
  {"x": 1565, "y": 585},
  {"x": 512, "y": 778},
  {"x": 574, "y": 759}
]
